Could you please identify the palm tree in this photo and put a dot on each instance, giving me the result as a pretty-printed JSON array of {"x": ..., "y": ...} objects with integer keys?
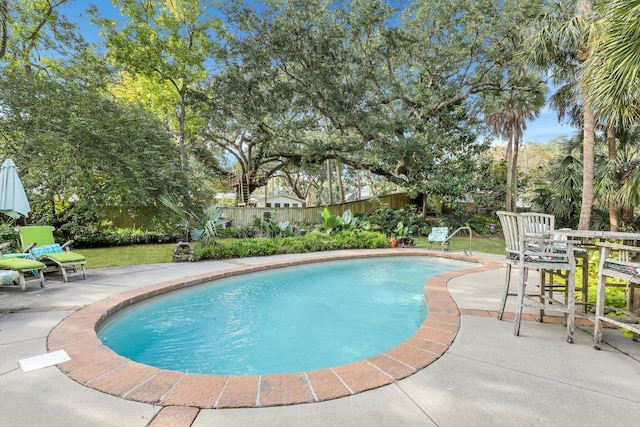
[
  {"x": 611, "y": 77},
  {"x": 617, "y": 186},
  {"x": 611, "y": 74},
  {"x": 618, "y": 178},
  {"x": 561, "y": 194},
  {"x": 508, "y": 119},
  {"x": 559, "y": 44}
]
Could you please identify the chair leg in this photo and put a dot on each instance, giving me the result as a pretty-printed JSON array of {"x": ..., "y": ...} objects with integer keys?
[
  {"x": 63, "y": 270},
  {"x": 632, "y": 305},
  {"x": 22, "y": 281},
  {"x": 543, "y": 289},
  {"x": 571, "y": 303},
  {"x": 505, "y": 292},
  {"x": 585, "y": 282},
  {"x": 522, "y": 284},
  {"x": 597, "y": 327}
]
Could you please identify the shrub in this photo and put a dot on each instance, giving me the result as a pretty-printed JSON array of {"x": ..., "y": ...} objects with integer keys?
[
  {"x": 9, "y": 234},
  {"x": 386, "y": 220},
  {"x": 479, "y": 224},
  {"x": 238, "y": 248},
  {"x": 311, "y": 242},
  {"x": 335, "y": 223},
  {"x": 95, "y": 237},
  {"x": 272, "y": 228},
  {"x": 193, "y": 224}
]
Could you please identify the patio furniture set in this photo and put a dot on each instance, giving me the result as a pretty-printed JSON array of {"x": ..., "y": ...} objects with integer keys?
[
  {"x": 40, "y": 254},
  {"x": 532, "y": 242}
]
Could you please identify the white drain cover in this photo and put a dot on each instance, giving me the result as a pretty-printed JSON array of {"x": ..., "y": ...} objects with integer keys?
[{"x": 43, "y": 360}]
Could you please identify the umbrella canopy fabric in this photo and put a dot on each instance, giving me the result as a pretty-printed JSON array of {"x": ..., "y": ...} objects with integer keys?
[{"x": 13, "y": 199}]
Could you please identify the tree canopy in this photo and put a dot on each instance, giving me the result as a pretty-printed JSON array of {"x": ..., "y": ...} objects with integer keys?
[
  {"x": 409, "y": 92},
  {"x": 389, "y": 91},
  {"x": 79, "y": 151}
]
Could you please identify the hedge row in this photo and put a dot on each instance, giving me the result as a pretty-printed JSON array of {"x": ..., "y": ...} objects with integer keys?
[{"x": 313, "y": 242}]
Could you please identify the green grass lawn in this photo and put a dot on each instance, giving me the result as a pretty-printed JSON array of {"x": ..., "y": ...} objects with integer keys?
[
  {"x": 490, "y": 245},
  {"x": 158, "y": 253},
  {"x": 127, "y": 255}
]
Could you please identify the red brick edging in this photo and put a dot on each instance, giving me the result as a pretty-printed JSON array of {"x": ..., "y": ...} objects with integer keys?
[{"x": 96, "y": 366}]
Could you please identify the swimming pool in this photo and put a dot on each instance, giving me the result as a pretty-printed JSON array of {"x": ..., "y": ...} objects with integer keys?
[{"x": 289, "y": 320}]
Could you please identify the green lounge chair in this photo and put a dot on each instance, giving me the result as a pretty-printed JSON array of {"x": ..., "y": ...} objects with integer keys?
[
  {"x": 20, "y": 264},
  {"x": 39, "y": 242}
]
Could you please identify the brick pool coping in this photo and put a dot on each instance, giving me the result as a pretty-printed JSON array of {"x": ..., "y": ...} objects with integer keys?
[{"x": 96, "y": 366}]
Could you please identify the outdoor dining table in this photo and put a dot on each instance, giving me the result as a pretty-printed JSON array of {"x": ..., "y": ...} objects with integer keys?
[{"x": 587, "y": 238}]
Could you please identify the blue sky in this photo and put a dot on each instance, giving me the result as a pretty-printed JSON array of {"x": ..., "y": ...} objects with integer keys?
[
  {"x": 75, "y": 12},
  {"x": 541, "y": 130},
  {"x": 547, "y": 127}
]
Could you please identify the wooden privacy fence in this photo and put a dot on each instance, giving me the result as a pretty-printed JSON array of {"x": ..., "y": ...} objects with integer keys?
[
  {"x": 245, "y": 216},
  {"x": 143, "y": 218},
  {"x": 140, "y": 218}
]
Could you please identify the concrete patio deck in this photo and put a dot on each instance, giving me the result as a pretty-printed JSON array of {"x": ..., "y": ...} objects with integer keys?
[{"x": 486, "y": 377}]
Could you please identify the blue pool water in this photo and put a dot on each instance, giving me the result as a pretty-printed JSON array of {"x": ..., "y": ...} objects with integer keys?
[{"x": 292, "y": 319}]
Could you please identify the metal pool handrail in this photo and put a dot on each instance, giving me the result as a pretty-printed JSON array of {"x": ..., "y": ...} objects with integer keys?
[{"x": 456, "y": 232}]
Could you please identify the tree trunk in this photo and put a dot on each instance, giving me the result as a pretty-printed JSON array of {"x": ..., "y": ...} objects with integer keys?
[
  {"x": 339, "y": 179},
  {"x": 372, "y": 190},
  {"x": 309, "y": 199},
  {"x": 359, "y": 185},
  {"x": 614, "y": 209},
  {"x": 584, "y": 9},
  {"x": 588, "y": 160},
  {"x": 181, "y": 132},
  {"x": 437, "y": 202},
  {"x": 4, "y": 26},
  {"x": 514, "y": 172},
  {"x": 329, "y": 183},
  {"x": 266, "y": 191},
  {"x": 510, "y": 204}
]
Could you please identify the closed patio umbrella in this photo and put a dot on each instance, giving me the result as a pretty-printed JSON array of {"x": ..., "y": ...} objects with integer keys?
[{"x": 13, "y": 199}]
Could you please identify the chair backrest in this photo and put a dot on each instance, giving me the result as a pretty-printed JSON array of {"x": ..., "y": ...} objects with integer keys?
[
  {"x": 509, "y": 222},
  {"x": 534, "y": 250},
  {"x": 438, "y": 234},
  {"x": 39, "y": 234},
  {"x": 539, "y": 249},
  {"x": 537, "y": 224}
]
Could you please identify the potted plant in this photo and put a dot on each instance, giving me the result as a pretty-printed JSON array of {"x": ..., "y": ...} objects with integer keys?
[{"x": 402, "y": 232}]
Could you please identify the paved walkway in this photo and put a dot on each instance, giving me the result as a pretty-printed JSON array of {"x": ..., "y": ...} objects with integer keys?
[{"x": 486, "y": 377}]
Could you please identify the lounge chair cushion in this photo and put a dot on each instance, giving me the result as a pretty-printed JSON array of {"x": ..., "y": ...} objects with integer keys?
[
  {"x": 56, "y": 252},
  {"x": 66, "y": 257},
  {"x": 8, "y": 276},
  {"x": 632, "y": 270},
  {"x": 20, "y": 264},
  {"x": 536, "y": 258}
]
